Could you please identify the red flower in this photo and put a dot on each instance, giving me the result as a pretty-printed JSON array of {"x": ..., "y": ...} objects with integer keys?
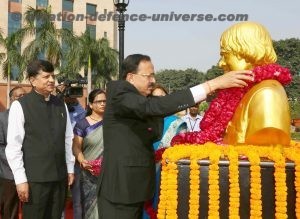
[
  {"x": 150, "y": 210},
  {"x": 158, "y": 154},
  {"x": 96, "y": 166},
  {"x": 222, "y": 108}
]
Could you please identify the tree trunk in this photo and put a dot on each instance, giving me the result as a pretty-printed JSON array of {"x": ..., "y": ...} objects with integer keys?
[
  {"x": 89, "y": 77},
  {"x": 8, "y": 88}
]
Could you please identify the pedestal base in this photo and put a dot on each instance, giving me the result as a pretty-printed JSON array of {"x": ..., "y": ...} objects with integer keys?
[{"x": 268, "y": 189}]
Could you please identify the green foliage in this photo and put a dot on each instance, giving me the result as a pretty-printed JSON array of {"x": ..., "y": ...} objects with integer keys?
[
  {"x": 174, "y": 80},
  {"x": 11, "y": 56},
  {"x": 295, "y": 136},
  {"x": 203, "y": 106},
  {"x": 47, "y": 42},
  {"x": 213, "y": 72},
  {"x": 288, "y": 55},
  {"x": 47, "y": 39},
  {"x": 103, "y": 59},
  {"x": 295, "y": 108}
]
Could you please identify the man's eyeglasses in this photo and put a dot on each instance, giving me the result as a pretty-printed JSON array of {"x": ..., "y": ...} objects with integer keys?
[
  {"x": 150, "y": 76},
  {"x": 99, "y": 102}
]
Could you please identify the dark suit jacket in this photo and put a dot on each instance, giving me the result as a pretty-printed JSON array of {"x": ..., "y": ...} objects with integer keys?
[
  {"x": 132, "y": 123},
  {"x": 5, "y": 171}
]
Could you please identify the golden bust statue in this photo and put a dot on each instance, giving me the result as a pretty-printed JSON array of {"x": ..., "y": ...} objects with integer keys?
[{"x": 262, "y": 116}]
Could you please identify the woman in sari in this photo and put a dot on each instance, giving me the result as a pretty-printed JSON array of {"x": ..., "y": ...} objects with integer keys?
[{"x": 88, "y": 149}]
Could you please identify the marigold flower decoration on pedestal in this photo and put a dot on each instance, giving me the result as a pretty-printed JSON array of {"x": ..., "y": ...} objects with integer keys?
[
  {"x": 234, "y": 187},
  {"x": 213, "y": 182},
  {"x": 194, "y": 189},
  {"x": 222, "y": 108},
  {"x": 168, "y": 197},
  {"x": 293, "y": 155}
]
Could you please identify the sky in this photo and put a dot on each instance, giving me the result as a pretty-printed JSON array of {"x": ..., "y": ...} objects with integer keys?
[{"x": 195, "y": 44}]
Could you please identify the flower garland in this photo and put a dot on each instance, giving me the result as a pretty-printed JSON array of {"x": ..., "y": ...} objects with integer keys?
[
  {"x": 255, "y": 184},
  {"x": 213, "y": 182},
  {"x": 161, "y": 212},
  {"x": 167, "y": 207},
  {"x": 222, "y": 108},
  {"x": 293, "y": 155},
  {"x": 280, "y": 183},
  {"x": 194, "y": 189},
  {"x": 234, "y": 187}
]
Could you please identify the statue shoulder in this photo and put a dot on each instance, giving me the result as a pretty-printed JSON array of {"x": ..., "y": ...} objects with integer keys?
[
  {"x": 265, "y": 93},
  {"x": 268, "y": 113}
]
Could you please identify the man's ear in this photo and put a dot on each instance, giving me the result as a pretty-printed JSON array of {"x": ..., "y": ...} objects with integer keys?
[
  {"x": 31, "y": 80},
  {"x": 129, "y": 77}
]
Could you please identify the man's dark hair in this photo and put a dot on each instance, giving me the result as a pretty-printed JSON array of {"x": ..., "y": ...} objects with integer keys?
[
  {"x": 131, "y": 63},
  {"x": 35, "y": 66},
  {"x": 13, "y": 90}
]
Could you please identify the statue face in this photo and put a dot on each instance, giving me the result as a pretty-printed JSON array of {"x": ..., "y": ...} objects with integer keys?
[{"x": 232, "y": 62}]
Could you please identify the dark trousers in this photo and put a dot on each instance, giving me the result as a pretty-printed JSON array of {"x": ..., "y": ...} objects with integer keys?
[
  {"x": 9, "y": 201},
  {"x": 76, "y": 193},
  {"x": 110, "y": 210},
  {"x": 46, "y": 200}
]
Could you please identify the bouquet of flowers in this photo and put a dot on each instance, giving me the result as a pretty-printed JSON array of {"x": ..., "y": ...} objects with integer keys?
[{"x": 96, "y": 166}]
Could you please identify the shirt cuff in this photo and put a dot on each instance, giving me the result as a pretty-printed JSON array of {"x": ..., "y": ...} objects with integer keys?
[
  {"x": 198, "y": 93},
  {"x": 20, "y": 177},
  {"x": 70, "y": 167}
]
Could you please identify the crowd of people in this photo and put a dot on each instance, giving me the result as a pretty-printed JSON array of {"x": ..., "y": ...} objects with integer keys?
[{"x": 110, "y": 145}]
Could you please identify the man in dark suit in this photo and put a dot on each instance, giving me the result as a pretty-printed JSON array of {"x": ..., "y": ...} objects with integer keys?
[
  {"x": 9, "y": 200},
  {"x": 132, "y": 122}
]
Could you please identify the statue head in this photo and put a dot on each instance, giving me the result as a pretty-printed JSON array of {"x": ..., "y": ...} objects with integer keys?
[{"x": 244, "y": 46}]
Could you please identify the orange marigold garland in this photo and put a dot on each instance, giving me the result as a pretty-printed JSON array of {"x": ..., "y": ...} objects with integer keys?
[
  {"x": 194, "y": 189},
  {"x": 297, "y": 186},
  {"x": 255, "y": 183},
  {"x": 234, "y": 186},
  {"x": 280, "y": 182},
  {"x": 293, "y": 154},
  {"x": 172, "y": 192},
  {"x": 213, "y": 182},
  {"x": 162, "y": 206},
  {"x": 168, "y": 195}
]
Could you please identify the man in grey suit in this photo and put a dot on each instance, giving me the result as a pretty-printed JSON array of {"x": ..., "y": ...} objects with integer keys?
[
  {"x": 9, "y": 200},
  {"x": 132, "y": 122}
]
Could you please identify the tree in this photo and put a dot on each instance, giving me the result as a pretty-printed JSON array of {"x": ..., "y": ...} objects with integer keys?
[
  {"x": 174, "y": 80},
  {"x": 97, "y": 58},
  {"x": 295, "y": 108},
  {"x": 288, "y": 55},
  {"x": 213, "y": 72},
  {"x": 48, "y": 38},
  {"x": 2, "y": 54},
  {"x": 107, "y": 65},
  {"x": 11, "y": 58}
]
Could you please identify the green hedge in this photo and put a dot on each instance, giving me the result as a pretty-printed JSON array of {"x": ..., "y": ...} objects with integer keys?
[{"x": 296, "y": 135}]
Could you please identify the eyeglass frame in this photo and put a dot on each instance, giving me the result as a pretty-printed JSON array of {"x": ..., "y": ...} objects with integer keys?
[{"x": 149, "y": 76}]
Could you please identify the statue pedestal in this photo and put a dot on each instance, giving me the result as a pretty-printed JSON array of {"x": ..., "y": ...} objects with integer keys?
[{"x": 268, "y": 189}]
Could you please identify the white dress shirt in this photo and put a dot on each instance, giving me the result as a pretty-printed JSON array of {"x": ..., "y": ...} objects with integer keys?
[
  {"x": 15, "y": 137},
  {"x": 193, "y": 124},
  {"x": 199, "y": 95}
]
